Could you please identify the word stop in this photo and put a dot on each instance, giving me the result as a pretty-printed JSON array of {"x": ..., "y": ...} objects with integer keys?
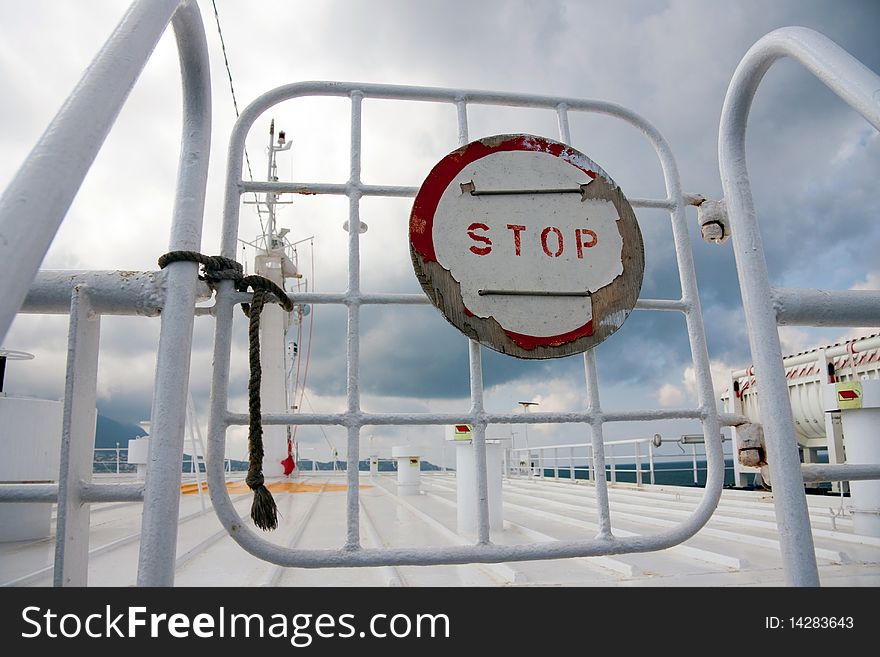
[{"x": 552, "y": 239}]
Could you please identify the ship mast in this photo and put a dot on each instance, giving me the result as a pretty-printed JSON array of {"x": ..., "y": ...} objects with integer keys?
[
  {"x": 273, "y": 262},
  {"x": 274, "y": 238}
]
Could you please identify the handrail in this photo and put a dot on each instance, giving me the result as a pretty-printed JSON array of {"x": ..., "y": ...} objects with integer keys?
[
  {"x": 156, "y": 562},
  {"x": 556, "y": 462},
  {"x": 855, "y": 346},
  {"x": 34, "y": 204},
  {"x": 856, "y": 85}
]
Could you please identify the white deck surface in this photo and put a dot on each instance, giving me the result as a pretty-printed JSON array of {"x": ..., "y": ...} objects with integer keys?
[{"x": 737, "y": 548}]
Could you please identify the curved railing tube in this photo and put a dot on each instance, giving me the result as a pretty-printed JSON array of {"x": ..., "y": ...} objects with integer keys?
[
  {"x": 36, "y": 201},
  {"x": 858, "y": 86},
  {"x": 161, "y": 494}
]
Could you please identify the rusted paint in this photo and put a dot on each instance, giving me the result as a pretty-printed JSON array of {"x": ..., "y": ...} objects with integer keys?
[
  {"x": 610, "y": 303},
  {"x": 750, "y": 446},
  {"x": 752, "y": 458}
]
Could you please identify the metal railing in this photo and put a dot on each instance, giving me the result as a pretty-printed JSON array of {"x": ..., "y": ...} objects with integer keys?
[
  {"x": 31, "y": 210},
  {"x": 593, "y": 417},
  {"x": 114, "y": 460},
  {"x": 765, "y": 306},
  {"x": 576, "y": 461}
]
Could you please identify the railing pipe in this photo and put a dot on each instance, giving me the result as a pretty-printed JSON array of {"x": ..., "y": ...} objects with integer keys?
[
  {"x": 857, "y": 85},
  {"x": 34, "y": 204},
  {"x": 171, "y": 389}
]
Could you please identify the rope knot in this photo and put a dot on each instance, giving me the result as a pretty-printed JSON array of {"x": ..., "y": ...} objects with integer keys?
[
  {"x": 264, "y": 511},
  {"x": 213, "y": 268},
  {"x": 255, "y": 481},
  {"x": 262, "y": 284},
  {"x": 219, "y": 268}
]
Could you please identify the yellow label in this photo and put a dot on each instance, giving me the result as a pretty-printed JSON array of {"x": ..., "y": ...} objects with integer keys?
[
  {"x": 849, "y": 394},
  {"x": 463, "y": 431}
]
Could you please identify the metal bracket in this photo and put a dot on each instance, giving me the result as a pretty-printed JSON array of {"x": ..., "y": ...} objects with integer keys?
[
  {"x": 470, "y": 188},
  {"x": 712, "y": 217},
  {"x": 535, "y": 293}
]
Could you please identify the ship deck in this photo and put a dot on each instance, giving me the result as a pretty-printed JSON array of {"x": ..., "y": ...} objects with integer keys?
[{"x": 738, "y": 547}]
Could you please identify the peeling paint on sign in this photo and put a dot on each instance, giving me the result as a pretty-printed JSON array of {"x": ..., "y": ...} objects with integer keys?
[{"x": 526, "y": 245}]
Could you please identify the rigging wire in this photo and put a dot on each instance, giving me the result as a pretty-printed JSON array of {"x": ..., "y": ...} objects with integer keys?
[
  {"x": 309, "y": 348},
  {"x": 298, "y": 343},
  {"x": 247, "y": 158},
  {"x": 312, "y": 409},
  {"x": 299, "y": 335},
  {"x": 311, "y": 323},
  {"x": 263, "y": 229}
]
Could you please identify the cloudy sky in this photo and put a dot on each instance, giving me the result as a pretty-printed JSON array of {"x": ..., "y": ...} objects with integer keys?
[{"x": 814, "y": 166}]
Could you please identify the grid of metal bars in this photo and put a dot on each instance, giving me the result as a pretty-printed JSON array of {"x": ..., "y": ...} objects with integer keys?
[{"x": 350, "y": 553}]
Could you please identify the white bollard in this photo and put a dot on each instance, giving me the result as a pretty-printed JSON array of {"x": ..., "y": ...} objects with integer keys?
[
  {"x": 466, "y": 485},
  {"x": 859, "y": 405},
  {"x": 30, "y": 441},
  {"x": 139, "y": 454},
  {"x": 408, "y": 469},
  {"x": 374, "y": 465}
]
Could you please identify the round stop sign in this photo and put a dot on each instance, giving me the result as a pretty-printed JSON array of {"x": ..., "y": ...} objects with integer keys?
[{"x": 527, "y": 246}]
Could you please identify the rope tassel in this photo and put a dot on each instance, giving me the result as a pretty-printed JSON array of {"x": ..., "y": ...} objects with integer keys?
[{"x": 264, "y": 511}]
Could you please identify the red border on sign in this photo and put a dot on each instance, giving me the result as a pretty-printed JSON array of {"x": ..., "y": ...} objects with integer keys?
[
  {"x": 421, "y": 222},
  {"x": 532, "y": 341}
]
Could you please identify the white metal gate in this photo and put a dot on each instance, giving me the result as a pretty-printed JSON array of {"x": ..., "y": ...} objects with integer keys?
[{"x": 350, "y": 552}]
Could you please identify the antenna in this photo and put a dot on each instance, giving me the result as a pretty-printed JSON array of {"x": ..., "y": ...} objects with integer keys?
[
  {"x": 273, "y": 238},
  {"x": 526, "y": 405}
]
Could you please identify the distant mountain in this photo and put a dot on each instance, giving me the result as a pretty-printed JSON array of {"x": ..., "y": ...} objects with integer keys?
[{"x": 109, "y": 432}]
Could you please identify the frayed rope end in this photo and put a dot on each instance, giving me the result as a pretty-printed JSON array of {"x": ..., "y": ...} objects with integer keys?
[{"x": 263, "y": 511}]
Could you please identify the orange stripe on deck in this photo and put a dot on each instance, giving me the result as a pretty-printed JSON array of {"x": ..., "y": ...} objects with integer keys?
[
  {"x": 275, "y": 487},
  {"x": 192, "y": 489}
]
